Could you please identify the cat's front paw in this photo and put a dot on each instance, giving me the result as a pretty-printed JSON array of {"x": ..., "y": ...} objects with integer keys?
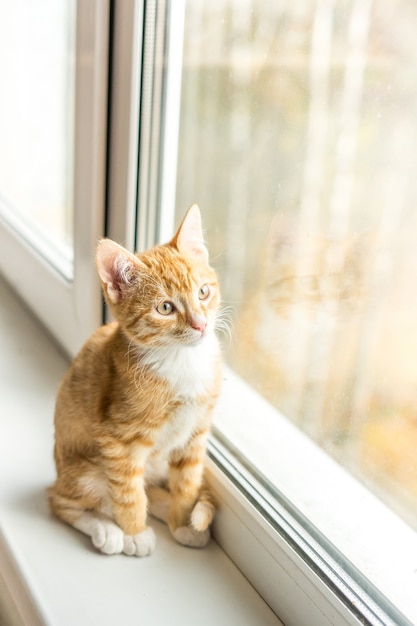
[
  {"x": 107, "y": 537},
  {"x": 142, "y": 544},
  {"x": 188, "y": 536},
  {"x": 202, "y": 515}
]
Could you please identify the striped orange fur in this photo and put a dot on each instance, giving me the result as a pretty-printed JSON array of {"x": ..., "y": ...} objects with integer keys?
[{"x": 133, "y": 412}]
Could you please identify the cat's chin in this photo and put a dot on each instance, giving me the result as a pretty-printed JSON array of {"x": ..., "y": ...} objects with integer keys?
[
  {"x": 195, "y": 339},
  {"x": 174, "y": 342}
]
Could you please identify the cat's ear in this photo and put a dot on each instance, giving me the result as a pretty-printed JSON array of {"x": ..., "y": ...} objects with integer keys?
[
  {"x": 117, "y": 268},
  {"x": 189, "y": 237}
]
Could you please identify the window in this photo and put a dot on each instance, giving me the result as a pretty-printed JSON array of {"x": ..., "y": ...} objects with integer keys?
[
  {"x": 52, "y": 158},
  {"x": 37, "y": 134},
  {"x": 295, "y": 137},
  {"x": 296, "y": 126},
  {"x": 291, "y": 125}
]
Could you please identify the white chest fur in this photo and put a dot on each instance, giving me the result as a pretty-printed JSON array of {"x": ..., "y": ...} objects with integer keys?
[
  {"x": 189, "y": 370},
  {"x": 176, "y": 432}
]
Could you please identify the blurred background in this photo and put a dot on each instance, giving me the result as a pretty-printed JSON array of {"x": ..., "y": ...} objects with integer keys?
[{"x": 298, "y": 139}]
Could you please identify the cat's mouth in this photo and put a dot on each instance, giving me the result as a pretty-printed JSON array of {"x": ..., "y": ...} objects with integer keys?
[
  {"x": 194, "y": 336},
  {"x": 197, "y": 336}
]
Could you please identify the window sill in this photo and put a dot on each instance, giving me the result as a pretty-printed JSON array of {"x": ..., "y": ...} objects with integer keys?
[
  {"x": 49, "y": 574},
  {"x": 373, "y": 538}
]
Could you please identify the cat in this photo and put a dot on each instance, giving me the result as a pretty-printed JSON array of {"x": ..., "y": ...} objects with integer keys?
[{"x": 133, "y": 412}]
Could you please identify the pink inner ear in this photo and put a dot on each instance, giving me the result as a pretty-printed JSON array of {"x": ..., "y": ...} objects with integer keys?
[
  {"x": 115, "y": 267},
  {"x": 189, "y": 238}
]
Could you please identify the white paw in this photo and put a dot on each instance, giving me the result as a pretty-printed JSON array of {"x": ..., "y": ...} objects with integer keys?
[
  {"x": 107, "y": 537},
  {"x": 142, "y": 544},
  {"x": 188, "y": 536},
  {"x": 202, "y": 516}
]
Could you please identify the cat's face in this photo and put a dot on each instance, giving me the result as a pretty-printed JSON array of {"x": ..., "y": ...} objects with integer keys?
[
  {"x": 173, "y": 301},
  {"x": 166, "y": 296}
]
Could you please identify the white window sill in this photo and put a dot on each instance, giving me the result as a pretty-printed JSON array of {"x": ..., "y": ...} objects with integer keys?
[
  {"x": 49, "y": 574},
  {"x": 372, "y": 538}
]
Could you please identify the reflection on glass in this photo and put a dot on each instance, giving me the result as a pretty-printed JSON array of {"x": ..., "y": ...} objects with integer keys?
[
  {"x": 36, "y": 119},
  {"x": 298, "y": 140}
]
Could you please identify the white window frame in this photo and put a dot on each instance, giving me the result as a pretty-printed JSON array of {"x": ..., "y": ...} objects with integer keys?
[
  {"x": 71, "y": 308},
  {"x": 299, "y": 573},
  {"x": 140, "y": 210}
]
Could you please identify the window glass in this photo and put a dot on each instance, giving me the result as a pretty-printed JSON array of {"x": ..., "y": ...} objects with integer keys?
[
  {"x": 37, "y": 69},
  {"x": 297, "y": 139}
]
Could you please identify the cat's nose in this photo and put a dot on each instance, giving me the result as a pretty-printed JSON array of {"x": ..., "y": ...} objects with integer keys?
[{"x": 199, "y": 323}]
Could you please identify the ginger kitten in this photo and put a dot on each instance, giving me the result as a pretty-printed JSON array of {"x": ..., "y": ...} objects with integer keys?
[{"x": 133, "y": 412}]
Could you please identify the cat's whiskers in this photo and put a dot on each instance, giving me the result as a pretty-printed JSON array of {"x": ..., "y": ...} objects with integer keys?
[
  {"x": 130, "y": 349},
  {"x": 224, "y": 321}
]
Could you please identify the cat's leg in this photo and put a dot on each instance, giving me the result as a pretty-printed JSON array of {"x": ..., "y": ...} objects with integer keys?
[
  {"x": 201, "y": 517},
  {"x": 203, "y": 512},
  {"x": 124, "y": 471},
  {"x": 192, "y": 536},
  {"x": 105, "y": 535},
  {"x": 191, "y": 510},
  {"x": 196, "y": 534},
  {"x": 82, "y": 500}
]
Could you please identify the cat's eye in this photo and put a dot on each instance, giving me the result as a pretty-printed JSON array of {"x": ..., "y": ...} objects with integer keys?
[
  {"x": 165, "y": 308},
  {"x": 204, "y": 292}
]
